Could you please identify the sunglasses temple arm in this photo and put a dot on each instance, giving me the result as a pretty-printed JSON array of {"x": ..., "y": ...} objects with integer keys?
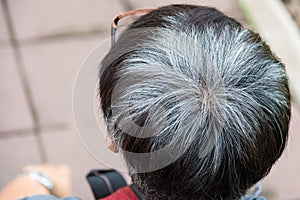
[
  {"x": 113, "y": 35},
  {"x": 115, "y": 22}
]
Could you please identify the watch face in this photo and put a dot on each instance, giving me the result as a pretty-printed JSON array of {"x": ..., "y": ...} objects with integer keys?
[{"x": 41, "y": 178}]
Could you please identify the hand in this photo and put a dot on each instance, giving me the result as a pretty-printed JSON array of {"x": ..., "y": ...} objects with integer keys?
[{"x": 60, "y": 176}]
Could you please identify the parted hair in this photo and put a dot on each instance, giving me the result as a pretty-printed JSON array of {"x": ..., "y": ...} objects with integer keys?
[{"x": 214, "y": 83}]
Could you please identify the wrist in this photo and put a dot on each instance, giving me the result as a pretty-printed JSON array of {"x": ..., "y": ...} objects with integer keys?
[
  {"x": 20, "y": 187},
  {"x": 59, "y": 175},
  {"x": 39, "y": 178}
]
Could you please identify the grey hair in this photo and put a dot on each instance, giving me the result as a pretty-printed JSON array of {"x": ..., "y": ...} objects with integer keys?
[{"x": 215, "y": 95}]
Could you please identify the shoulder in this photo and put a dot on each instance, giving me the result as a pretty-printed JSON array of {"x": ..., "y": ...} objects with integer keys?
[{"x": 124, "y": 193}]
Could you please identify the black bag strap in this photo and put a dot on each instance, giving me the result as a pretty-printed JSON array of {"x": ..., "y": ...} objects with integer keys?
[
  {"x": 105, "y": 182},
  {"x": 137, "y": 192}
]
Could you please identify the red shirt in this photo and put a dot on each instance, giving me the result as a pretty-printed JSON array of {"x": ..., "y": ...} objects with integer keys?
[{"x": 124, "y": 193}]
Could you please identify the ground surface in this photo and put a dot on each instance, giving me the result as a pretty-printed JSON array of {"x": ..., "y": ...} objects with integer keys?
[{"x": 42, "y": 43}]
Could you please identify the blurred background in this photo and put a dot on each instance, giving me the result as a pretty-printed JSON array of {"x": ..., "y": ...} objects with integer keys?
[{"x": 43, "y": 43}]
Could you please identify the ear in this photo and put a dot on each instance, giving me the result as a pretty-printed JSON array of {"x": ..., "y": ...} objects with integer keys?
[{"x": 111, "y": 146}]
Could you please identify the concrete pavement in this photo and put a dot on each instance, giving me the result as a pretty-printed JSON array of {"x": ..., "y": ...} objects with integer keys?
[{"x": 42, "y": 44}]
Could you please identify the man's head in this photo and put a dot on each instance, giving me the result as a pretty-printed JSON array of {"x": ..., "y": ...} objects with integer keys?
[{"x": 194, "y": 80}]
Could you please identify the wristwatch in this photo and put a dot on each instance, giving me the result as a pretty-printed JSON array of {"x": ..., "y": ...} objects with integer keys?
[{"x": 42, "y": 178}]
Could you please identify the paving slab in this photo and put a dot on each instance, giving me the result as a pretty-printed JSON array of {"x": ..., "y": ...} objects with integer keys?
[
  {"x": 15, "y": 113},
  {"x": 283, "y": 181},
  {"x": 227, "y": 6},
  {"x": 4, "y": 35},
  {"x": 65, "y": 147},
  {"x": 36, "y": 18},
  {"x": 15, "y": 153},
  {"x": 51, "y": 69}
]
